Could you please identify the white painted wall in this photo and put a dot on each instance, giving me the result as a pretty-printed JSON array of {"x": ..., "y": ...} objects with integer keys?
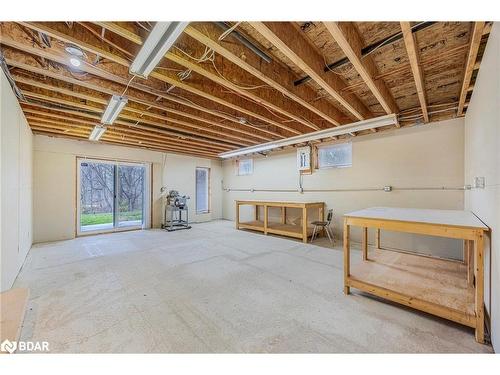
[
  {"x": 55, "y": 181},
  {"x": 482, "y": 158},
  {"x": 179, "y": 174},
  {"x": 425, "y": 156},
  {"x": 16, "y": 162}
]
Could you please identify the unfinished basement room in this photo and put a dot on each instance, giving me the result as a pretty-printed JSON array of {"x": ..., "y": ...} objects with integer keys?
[{"x": 252, "y": 186}]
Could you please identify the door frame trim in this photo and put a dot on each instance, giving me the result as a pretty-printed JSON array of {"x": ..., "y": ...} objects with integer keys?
[{"x": 148, "y": 180}]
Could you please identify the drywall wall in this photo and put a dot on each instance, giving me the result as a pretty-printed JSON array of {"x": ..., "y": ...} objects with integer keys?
[
  {"x": 179, "y": 174},
  {"x": 55, "y": 181},
  {"x": 429, "y": 155},
  {"x": 16, "y": 185},
  {"x": 482, "y": 159}
]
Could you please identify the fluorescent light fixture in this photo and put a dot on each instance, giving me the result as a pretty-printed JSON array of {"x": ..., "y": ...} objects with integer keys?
[
  {"x": 372, "y": 123},
  {"x": 97, "y": 133},
  {"x": 115, "y": 106},
  {"x": 159, "y": 41}
]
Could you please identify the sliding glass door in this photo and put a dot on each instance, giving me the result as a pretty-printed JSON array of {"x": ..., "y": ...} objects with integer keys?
[
  {"x": 130, "y": 195},
  {"x": 111, "y": 196}
]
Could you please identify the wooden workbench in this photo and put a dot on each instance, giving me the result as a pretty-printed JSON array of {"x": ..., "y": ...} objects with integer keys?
[
  {"x": 302, "y": 231},
  {"x": 450, "y": 289}
]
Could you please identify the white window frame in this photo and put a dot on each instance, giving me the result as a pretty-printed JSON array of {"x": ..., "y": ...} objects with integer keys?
[
  {"x": 334, "y": 146},
  {"x": 201, "y": 212},
  {"x": 238, "y": 170}
]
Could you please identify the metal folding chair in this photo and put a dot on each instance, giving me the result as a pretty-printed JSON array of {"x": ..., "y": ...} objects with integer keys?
[{"x": 319, "y": 225}]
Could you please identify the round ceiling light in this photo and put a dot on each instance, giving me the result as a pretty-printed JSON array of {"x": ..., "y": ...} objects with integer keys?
[
  {"x": 75, "y": 62},
  {"x": 73, "y": 50}
]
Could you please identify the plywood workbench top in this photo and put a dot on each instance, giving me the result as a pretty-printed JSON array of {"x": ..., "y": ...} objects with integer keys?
[{"x": 457, "y": 218}]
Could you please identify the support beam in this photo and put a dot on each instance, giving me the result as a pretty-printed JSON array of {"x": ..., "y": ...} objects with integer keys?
[
  {"x": 412, "y": 51},
  {"x": 475, "y": 40},
  {"x": 347, "y": 37},
  {"x": 287, "y": 39}
]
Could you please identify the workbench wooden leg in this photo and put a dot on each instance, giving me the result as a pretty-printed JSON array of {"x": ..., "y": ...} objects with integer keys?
[
  {"x": 364, "y": 243},
  {"x": 377, "y": 239},
  {"x": 256, "y": 213},
  {"x": 265, "y": 219},
  {"x": 479, "y": 297},
  {"x": 237, "y": 216},
  {"x": 304, "y": 225},
  {"x": 283, "y": 215},
  {"x": 466, "y": 251},
  {"x": 347, "y": 258},
  {"x": 469, "y": 261}
]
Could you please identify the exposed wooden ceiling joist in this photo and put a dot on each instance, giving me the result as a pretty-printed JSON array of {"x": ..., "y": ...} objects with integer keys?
[
  {"x": 227, "y": 101},
  {"x": 271, "y": 73},
  {"x": 413, "y": 56},
  {"x": 349, "y": 40},
  {"x": 97, "y": 110},
  {"x": 475, "y": 40},
  {"x": 98, "y": 86},
  {"x": 140, "y": 112},
  {"x": 287, "y": 39}
]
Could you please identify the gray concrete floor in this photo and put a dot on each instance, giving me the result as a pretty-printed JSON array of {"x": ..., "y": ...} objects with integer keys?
[{"x": 213, "y": 289}]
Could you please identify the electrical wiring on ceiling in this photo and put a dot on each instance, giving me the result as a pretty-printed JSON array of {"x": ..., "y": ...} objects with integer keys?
[
  {"x": 209, "y": 55},
  {"x": 128, "y": 84},
  {"x": 229, "y": 31}
]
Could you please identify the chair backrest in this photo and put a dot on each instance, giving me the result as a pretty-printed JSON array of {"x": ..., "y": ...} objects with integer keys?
[{"x": 329, "y": 216}]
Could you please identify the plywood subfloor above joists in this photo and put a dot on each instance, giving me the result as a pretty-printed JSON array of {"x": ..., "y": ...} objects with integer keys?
[{"x": 235, "y": 98}]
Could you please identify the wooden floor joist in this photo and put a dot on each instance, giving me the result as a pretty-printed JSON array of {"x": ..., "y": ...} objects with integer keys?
[
  {"x": 272, "y": 74},
  {"x": 348, "y": 39},
  {"x": 103, "y": 73},
  {"x": 141, "y": 112},
  {"x": 475, "y": 40},
  {"x": 97, "y": 86},
  {"x": 234, "y": 97},
  {"x": 287, "y": 39},
  {"x": 98, "y": 51},
  {"x": 414, "y": 58}
]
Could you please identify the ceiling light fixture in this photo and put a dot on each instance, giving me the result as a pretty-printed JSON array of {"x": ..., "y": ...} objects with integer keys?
[
  {"x": 75, "y": 62},
  {"x": 97, "y": 133},
  {"x": 160, "y": 40},
  {"x": 115, "y": 106},
  {"x": 372, "y": 123}
]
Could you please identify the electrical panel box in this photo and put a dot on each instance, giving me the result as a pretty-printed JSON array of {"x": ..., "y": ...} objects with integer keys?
[{"x": 304, "y": 158}]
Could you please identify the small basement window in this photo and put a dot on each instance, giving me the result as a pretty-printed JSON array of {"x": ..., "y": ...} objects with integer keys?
[
  {"x": 202, "y": 190},
  {"x": 335, "y": 156},
  {"x": 244, "y": 167}
]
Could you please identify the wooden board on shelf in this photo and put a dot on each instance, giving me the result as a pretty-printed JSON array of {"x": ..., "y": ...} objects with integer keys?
[
  {"x": 287, "y": 229},
  {"x": 434, "y": 280},
  {"x": 254, "y": 225}
]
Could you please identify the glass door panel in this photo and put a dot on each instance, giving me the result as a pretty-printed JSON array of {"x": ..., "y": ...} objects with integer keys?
[
  {"x": 97, "y": 186},
  {"x": 130, "y": 207}
]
